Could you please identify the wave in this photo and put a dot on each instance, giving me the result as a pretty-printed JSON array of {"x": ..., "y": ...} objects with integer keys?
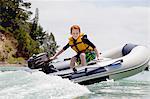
[{"x": 37, "y": 85}]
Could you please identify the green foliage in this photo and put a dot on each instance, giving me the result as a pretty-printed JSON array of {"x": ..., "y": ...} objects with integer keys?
[
  {"x": 49, "y": 44},
  {"x": 13, "y": 60},
  {"x": 2, "y": 28},
  {"x": 34, "y": 25},
  {"x": 13, "y": 13},
  {"x": 8, "y": 48},
  {"x": 27, "y": 46},
  {"x": 40, "y": 35},
  {"x": 1, "y": 57},
  {"x": 14, "y": 18}
]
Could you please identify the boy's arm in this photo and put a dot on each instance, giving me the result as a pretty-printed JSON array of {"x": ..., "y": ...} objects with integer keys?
[
  {"x": 85, "y": 40},
  {"x": 97, "y": 53},
  {"x": 66, "y": 47},
  {"x": 58, "y": 53}
]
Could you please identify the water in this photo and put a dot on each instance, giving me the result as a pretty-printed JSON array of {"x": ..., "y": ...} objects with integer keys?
[
  {"x": 37, "y": 85},
  {"x": 130, "y": 88},
  {"x": 107, "y": 27}
]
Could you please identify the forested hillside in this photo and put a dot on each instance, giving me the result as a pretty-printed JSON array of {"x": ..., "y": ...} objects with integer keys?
[{"x": 21, "y": 36}]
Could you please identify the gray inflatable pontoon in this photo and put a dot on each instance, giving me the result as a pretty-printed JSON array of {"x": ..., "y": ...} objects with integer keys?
[{"x": 117, "y": 63}]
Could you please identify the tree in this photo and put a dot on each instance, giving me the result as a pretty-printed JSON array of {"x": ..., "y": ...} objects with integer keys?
[
  {"x": 15, "y": 18},
  {"x": 37, "y": 32},
  {"x": 34, "y": 25},
  {"x": 49, "y": 44},
  {"x": 13, "y": 13}
]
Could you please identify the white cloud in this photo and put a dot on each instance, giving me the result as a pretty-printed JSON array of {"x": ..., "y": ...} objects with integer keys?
[{"x": 104, "y": 24}]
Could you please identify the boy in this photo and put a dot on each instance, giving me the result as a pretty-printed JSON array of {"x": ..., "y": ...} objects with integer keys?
[{"x": 86, "y": 50}]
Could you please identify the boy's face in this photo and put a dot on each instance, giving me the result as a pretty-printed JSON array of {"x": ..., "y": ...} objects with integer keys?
[{"x": 75, "y": 33}]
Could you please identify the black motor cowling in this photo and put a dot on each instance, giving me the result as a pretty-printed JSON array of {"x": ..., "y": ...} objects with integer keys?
[
  {"x": 37, "y": 61},
  {"x": 49, "y": 69}
]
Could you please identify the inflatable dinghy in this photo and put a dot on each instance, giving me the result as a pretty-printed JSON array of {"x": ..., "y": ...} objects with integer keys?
[{"x": 117, "y": 63}]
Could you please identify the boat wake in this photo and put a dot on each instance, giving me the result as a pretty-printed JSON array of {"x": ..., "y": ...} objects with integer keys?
[
  {"x": 143, "y": 76},
  {"x": 37, "y": 85},
  {"x": 134, "y": 87}
]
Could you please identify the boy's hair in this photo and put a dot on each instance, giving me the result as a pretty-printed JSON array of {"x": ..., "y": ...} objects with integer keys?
[{"x": 74, "y": 27}]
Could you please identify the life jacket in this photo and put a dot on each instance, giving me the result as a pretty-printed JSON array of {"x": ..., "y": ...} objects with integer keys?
[{"x": 78, "y": 45}]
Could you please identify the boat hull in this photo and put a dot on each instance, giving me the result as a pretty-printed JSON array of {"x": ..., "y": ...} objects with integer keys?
[{"x": 118, "y": 63}]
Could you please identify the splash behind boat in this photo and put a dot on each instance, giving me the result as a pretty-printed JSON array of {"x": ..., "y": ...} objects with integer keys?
[{"x": 118, "y": 63}]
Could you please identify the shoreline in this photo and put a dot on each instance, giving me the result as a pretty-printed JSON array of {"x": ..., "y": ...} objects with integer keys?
[{"x": 3, "y": 64}]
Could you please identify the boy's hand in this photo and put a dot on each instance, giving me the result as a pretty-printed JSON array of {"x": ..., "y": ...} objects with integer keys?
[
  {"x": 100, "y": 58},
  {"x": 52, "y": 58}
]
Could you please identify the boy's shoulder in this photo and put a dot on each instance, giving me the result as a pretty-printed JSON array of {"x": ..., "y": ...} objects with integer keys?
[{"x": 84, "y": 36}]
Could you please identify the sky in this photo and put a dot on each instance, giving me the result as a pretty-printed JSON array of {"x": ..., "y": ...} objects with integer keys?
[{"x": 107, "y": 23}]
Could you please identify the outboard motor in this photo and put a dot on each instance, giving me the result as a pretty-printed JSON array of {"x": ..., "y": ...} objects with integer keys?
[
  {"x": 147, "y": 68},
  {"x": 38, "y": 61},
  {"x": 49, "y": 69},
  {"x": 127, "y": 49}
]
